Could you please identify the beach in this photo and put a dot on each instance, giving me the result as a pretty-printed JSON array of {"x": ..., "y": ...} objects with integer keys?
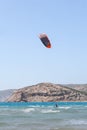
[{"x": 43, "y": 116}]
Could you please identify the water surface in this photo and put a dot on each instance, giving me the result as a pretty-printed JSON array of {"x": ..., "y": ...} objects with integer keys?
[{"x": 43, "y": 116}]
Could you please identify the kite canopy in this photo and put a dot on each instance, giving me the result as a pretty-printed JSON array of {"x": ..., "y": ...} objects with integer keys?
[{"x": 45, "y": 40}]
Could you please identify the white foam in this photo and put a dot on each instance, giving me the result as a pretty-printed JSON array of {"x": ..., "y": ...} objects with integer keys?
[
  {"x": 50, "y": 111},
  {"x": 64, "y": 108},
  {"x": 28, "y": 110},
  {"x": 78, "y": 122}
]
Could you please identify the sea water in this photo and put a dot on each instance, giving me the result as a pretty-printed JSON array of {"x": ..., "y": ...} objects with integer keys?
[{"x": 43, "y": 116}]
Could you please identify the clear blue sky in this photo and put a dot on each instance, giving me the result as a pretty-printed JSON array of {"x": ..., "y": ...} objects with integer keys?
[{"x": 23, "y": 58}]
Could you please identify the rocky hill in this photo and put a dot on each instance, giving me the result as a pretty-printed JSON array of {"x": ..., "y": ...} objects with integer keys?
[{"x": 47, "y": 92}]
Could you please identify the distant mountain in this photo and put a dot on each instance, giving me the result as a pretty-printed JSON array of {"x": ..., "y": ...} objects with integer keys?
[
  {"x": 4, "y": 94},
  {"x": 47, "y": 92},
  {"x": 80, "y": 87}
]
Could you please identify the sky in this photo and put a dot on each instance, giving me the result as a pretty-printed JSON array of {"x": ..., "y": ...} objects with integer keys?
[{"x": 24, "y": 60}]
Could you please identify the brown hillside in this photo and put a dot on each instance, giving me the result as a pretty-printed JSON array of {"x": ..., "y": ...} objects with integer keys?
[{"x": 47, "y": 92}]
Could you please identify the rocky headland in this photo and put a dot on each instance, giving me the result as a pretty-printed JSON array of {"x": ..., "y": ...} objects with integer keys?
[{"x": 47, "y": 92}]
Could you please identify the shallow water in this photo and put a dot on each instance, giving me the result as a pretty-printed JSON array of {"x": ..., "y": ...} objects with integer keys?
[{"x": 43, "y": 116}]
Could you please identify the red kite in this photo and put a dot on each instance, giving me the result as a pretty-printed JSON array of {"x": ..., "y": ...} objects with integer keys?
[{"x": 45, "y": 40}]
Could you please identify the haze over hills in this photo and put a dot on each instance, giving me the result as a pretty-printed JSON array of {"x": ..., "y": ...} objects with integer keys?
[
  {"x": 4, "y": 94},
  {"x": 80, "y": 87},
  {"x": 48, "y": 92}
]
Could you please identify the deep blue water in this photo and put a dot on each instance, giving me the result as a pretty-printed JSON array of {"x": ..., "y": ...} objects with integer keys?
[
  {"x": 43, "y": 116},
  {"x": 45, "y": 104}
]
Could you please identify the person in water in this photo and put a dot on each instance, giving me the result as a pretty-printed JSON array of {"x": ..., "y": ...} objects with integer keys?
[{"x": 56, "y": 105}]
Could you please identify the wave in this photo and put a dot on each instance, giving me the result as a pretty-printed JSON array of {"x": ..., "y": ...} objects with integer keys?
[
  {"x": 28, "y": 110},
  {"x": 78, "y": 122},
  {"x": 40, "y": 110},
  {"x": 50, "y": 111},
  {"x": 64, "y": 107}
]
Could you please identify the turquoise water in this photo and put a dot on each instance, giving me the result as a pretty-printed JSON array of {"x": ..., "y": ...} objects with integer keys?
[{"x": 43, "y": 116}]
